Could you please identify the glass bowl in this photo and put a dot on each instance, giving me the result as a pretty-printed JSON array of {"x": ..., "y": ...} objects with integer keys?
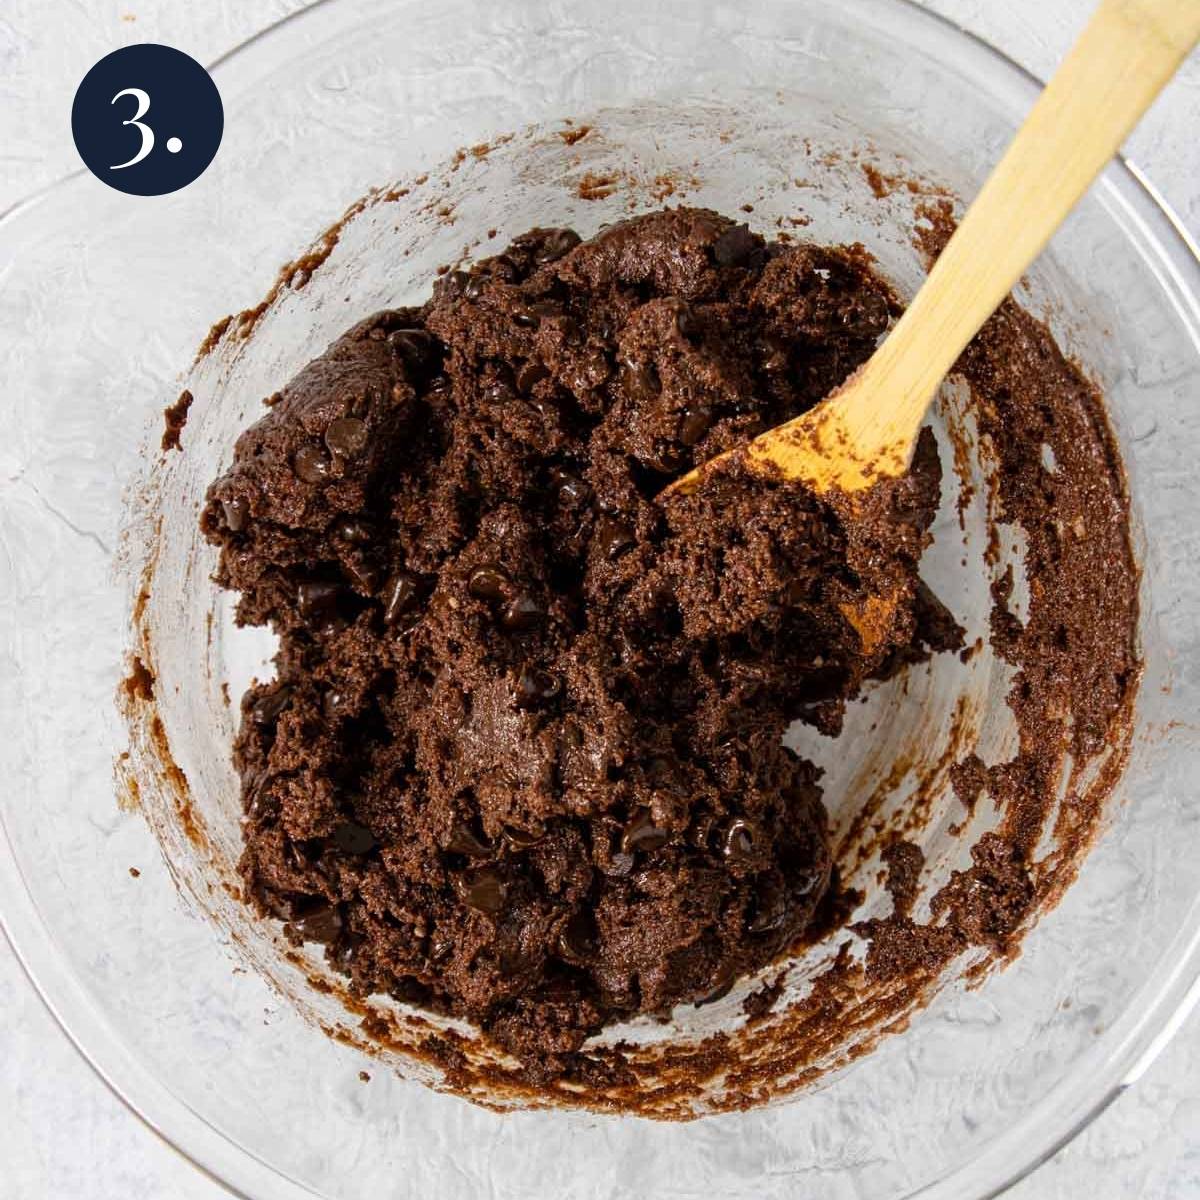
[{"x": 779, "y": 105}]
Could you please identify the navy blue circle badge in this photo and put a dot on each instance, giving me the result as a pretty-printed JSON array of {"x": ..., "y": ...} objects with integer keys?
[{"x": 147, "y": 120}]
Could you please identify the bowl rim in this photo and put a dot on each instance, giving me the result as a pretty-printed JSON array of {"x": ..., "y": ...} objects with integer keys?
[{"x": 1171, "y": 992}]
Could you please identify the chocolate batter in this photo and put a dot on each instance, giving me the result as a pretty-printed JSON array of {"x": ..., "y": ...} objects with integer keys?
[{"x": 523, "y": 760}]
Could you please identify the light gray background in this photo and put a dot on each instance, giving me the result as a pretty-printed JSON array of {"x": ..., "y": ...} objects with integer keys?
[{"x": 62, "y": 1134}]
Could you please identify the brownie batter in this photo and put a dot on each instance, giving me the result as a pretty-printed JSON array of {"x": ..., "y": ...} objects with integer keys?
[{"x": 523, "y": 758}]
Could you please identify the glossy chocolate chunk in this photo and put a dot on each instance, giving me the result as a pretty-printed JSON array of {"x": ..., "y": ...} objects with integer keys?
[
  {"x": 522, "y": 613},
  {"x": 522, "y": 839},
  {"x": 694, "y": 424},
  {"x": 415, "y": 347},
  {"x": 401, "y": 596},
  {"x": 571, "y": 489},
  {"x": 613, "y": 537},
  {"x": 536, "y": 687},
  {"x": 577, "y": 942},
  {"x": 555, "y": 243},
  {"x": 355, "y": 530},
  {"x": 317, "y": 599},
  {"x": 738, "y": 842},
  {"x": 529, "y": 374},
  {"x": 352, "y": 838},
  {"x": 735, "y": 247},
  {"x": 321, "y": 924},
  {"x": 642, "y": 834},
  {"x": 267, "y": 708},
  {"x": 489, "y": 582},
  {"x": 639, "y": 381},
  {"x": 483, "y": 889},
  {"x": 237, "y": 513},
  {"x": 312, "y": 463},
  {"x": 346, "y": 437},
  {"x": 463, "y": 840}
]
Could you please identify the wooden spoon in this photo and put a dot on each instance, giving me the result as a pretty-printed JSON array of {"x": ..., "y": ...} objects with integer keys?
[{"x": 867, "y": 428}]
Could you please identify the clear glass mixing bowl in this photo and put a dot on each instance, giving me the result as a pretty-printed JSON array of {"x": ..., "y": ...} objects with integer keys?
[{"x": 104, "y": 299}]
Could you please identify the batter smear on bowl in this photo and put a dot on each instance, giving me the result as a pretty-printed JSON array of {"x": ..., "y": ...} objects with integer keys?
[{"x": 523, "y": 757}]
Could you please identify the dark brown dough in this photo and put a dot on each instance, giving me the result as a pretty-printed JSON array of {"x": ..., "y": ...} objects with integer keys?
[{"x": 523, "y": 758}]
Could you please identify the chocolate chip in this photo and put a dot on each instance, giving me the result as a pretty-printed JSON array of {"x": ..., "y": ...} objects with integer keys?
[
  {"x": 463, "y": 840},
  {"x": 483, "y": 890},
  {"x": 354, "y": 530},
  {"x": 770, "y": 910},
  {"x": 453, "y": 284},
  {"x": 488, "y": 582},
  {"x": 275, "y": 904},
  {"x": 545, "y": 310},
  {"x": 612, "y": 538},
  {"x": 346, "y": 437},
  {"x": 400, "y": 596},
  {"x": 531, "y": 373},
  {"x": 773, "y": 355},
  {"x": 364, "y": 574},
  {"x": 521, "y": 839},
  {"x": 536, "y": 687},
  {"x": 416, "y": 347},
  {"x": 500, "y": 392},
  {"x": 311, "y": 463},
  {"x": 522, "y": 613},
  {"x": 334, "y": 702},
  {"x": 739, "y": 840},
  {"x": 700, "y": 833},
  {"x": 694, "y": 424},
  {"x": 555, "y": 244},
  {"x": 577, "y": 942},
  {"x": 236, "y": 511},
  {"x": 664, "y": 458},
  {"x": 571, "y": 489},
  {"x": 267, "y": 708},
  {"x": 352, "y": 838},
  {"x": 474, "y": 286},
  {"x": 642, "y": 834},
  {"x": 317, "y": 599},
  {"x": 505, "y": 269},
  {"x": 322, "y": 924},
  {"x": 524, "y": 318},
  {"x": 687, "y": 322},
  {"x": 342, "y": 954},
  {"x": 639, "y": 381},
  {"x": 734, "y": 247}
]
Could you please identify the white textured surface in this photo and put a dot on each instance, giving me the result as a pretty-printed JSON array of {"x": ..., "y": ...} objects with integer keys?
[{"x": 61, "y": 1133}]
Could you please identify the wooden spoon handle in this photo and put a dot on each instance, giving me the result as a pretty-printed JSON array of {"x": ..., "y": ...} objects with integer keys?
[{"x": 1124, "y": 56}]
